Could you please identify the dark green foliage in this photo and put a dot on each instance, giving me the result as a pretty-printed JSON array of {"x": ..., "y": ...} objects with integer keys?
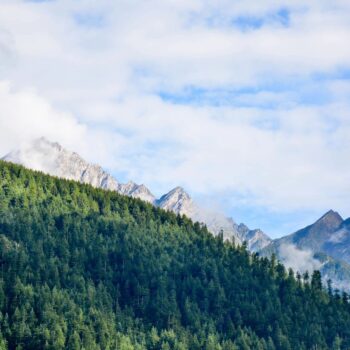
[{"x": 82, "y": 268}]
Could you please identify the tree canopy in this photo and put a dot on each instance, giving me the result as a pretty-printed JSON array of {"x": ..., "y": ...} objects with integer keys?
[{"x": 84, "y": 268}]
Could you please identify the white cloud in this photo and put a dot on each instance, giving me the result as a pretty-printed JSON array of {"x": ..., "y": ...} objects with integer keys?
[
  {"x": 25, "y": 115},
  {"x": 298, "y": 260},
  {"x": 165, "y": 40},
  {"x": 280, "y": 138}
]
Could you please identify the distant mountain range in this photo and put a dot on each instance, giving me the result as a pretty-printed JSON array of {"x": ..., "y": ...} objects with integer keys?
[
  {"x": 51, "y": 158},
  {"x": 324, "y": 245}
]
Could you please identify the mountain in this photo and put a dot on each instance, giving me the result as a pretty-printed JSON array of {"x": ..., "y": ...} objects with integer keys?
[
  {"x": 338, "y": 245},
  {"x": 330, "y": 234},
  {"x": 323, "y": 245},
  {"x": 315, "y": 236},
  {"x": 179, "y": 201},
  {"x": 85, "y": 268},
  {"x": 256, "y": 239},
  {"x": 137, "y": 191},
  {"x": 51, "y": 158}
]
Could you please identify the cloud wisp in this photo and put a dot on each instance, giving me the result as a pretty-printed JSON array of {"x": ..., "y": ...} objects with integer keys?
[{"x": 297, "y": 259}]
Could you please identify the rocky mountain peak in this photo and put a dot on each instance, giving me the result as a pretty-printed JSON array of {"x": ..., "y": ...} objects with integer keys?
[
  {"x": 128, "y": 188},
  {"x": 138, "y": 191},
  {"x": 179, "y": 201},
  {"x": 330, "y": 221},
  {"x": 180, "y": 193},
  {"x": 256, "y": 239},
  {"x": 243, "y": 228}
]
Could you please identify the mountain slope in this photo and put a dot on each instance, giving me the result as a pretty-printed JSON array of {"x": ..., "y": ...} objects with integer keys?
[
  {"x": 179, "y": 201},
  {"x": 87, "y": 268},
  {"x": 338, "y": 245},
  {"x": 323, "y": 245},
  {"x": 330, "y": 234},
  {"x": 315, "y": 236},
  {"x": 53, "y": 159}
]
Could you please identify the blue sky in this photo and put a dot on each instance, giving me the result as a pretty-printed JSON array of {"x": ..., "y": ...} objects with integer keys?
[{"x": 245, "y": 104}]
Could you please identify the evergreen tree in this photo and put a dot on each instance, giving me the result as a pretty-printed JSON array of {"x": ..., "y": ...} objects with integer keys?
[{"x": 82, "y": 268}]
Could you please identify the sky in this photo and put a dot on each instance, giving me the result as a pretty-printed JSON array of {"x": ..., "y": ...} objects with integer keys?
[{"x": 246, "y": 104}]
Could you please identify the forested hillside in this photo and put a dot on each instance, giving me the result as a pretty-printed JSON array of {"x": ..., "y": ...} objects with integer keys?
[{"x": 83, "y": 268}]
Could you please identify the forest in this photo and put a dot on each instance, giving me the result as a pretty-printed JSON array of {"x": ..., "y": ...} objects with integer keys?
[{"x": 83, "y": 268}]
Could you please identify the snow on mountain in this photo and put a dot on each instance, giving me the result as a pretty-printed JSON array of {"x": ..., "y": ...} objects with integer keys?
[{"x": 52, "y": 158}]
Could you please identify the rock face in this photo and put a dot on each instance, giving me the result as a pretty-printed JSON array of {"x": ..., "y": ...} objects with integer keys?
[
  {"x": 313, "y": 237},
  {"x": 178, "y": 201},
  {"x": 52, "y": 158},
  {"x": 338, "y": 244},
  {"x": 256, "y": 239},
  {"x": 137, "y": 191}
]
